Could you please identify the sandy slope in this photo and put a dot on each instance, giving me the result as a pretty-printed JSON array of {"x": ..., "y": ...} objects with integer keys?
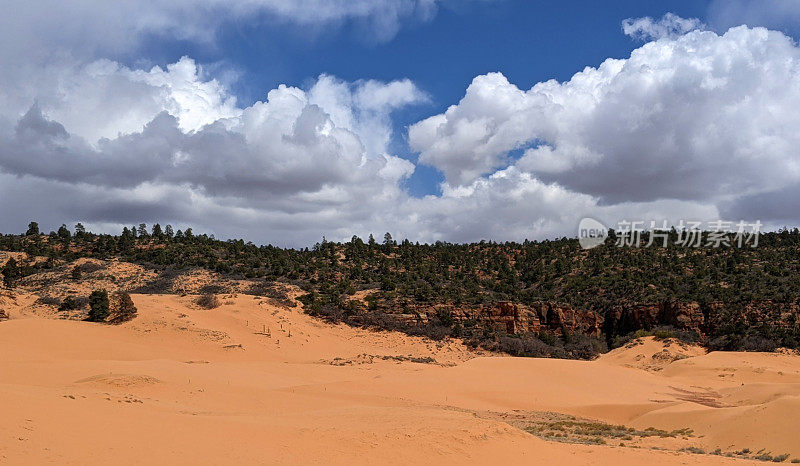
[{"x": 253, "y": 383}]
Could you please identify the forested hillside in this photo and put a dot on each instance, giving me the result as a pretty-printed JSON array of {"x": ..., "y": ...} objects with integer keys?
[{"x": 537, "y": 297}]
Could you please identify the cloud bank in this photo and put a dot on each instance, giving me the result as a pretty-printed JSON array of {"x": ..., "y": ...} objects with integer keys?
[
  {"x": 693, "y": 125},
  {"x": 33, "y": 30}
]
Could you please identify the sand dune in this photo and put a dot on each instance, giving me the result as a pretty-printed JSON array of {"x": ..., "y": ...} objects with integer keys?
[{"x": 251, "y": 382}]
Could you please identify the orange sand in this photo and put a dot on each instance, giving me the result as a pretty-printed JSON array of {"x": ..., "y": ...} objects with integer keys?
[{"x": 183, "y": 385}]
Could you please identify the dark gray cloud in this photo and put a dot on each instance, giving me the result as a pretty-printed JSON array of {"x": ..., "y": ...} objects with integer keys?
[{"x": 777, "y": 208}]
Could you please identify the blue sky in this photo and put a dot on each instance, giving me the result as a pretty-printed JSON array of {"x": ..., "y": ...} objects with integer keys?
[
  {"x": 528, "y": 41},
  {"x": 281, "y": 121}
]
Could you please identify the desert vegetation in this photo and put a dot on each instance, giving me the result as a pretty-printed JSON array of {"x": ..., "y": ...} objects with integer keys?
[{"x": 746, "y": 297}]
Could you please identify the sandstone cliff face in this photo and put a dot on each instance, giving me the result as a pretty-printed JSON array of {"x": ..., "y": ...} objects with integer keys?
[
  {"x": 704, "y": 319},
  {"x": 560, "y": 317},
  {"x": 624, "y": 319},
  {"x": 516, "y": 318}
]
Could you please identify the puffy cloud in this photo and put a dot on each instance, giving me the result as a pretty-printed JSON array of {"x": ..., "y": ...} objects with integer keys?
[
  {"x": 700, "y": 117},
  {"x": 514, "y": 205},
  {"x": 103, "y": 99},
  {"x": 314, "y": 159},
  {"x": 668, "y": 26},
  {"x": 472, "y": 138},
  {"x": 364, "y": 106},
  {"x": 191, "y": 133}
]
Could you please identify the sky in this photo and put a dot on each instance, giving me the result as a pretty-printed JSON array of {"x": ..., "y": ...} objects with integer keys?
[{"x": 283, "y": 121}]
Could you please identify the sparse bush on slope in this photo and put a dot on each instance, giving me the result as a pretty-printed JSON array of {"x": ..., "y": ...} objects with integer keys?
[
  {"x": 207, "y": 301},
  {"x": 122, "y": 308}
]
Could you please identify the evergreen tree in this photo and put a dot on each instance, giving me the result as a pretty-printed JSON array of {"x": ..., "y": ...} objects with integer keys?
[
  {"x": 10, "y": 273},
  {"x": 98, "y": 306},
  {"x": 63, "y": 232},
  {"x": 127, "y": 240},
  {"x": 33, "y": 229}
]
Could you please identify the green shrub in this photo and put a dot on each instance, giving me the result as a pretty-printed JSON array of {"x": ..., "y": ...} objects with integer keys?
[
  {"x": 98, "y": 306},
  {"x": 10, "y": 273},
  {"x": 71, "y": 303}
]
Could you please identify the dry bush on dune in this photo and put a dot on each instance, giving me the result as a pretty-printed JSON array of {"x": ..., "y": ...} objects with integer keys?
[
  {"x": 164, "y": 283},
  {"x": 91, "y": 267},
  {"x": 71, "y": 303},
  {"x": 207, "y": 301},
  {"x": 122, "y": 308},
  {"x": 49, "y": 301},
  {"x": 258, "y": 288},
  {"x": 215, "y": 288}
]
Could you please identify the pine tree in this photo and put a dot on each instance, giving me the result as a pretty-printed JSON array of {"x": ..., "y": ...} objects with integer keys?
[
  {"x": 33, "y": 229},
  {"x": 63, "y": 232},
  {"x": 10, "y": 273},
  {"x": 98, "y": 306},
  {"x": 127, "y": 240}
]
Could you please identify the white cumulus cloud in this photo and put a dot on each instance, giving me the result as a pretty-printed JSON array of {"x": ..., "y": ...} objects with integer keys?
[
  {"x": 699, "y": 117},
  {"x": 668, "y": 26}
]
